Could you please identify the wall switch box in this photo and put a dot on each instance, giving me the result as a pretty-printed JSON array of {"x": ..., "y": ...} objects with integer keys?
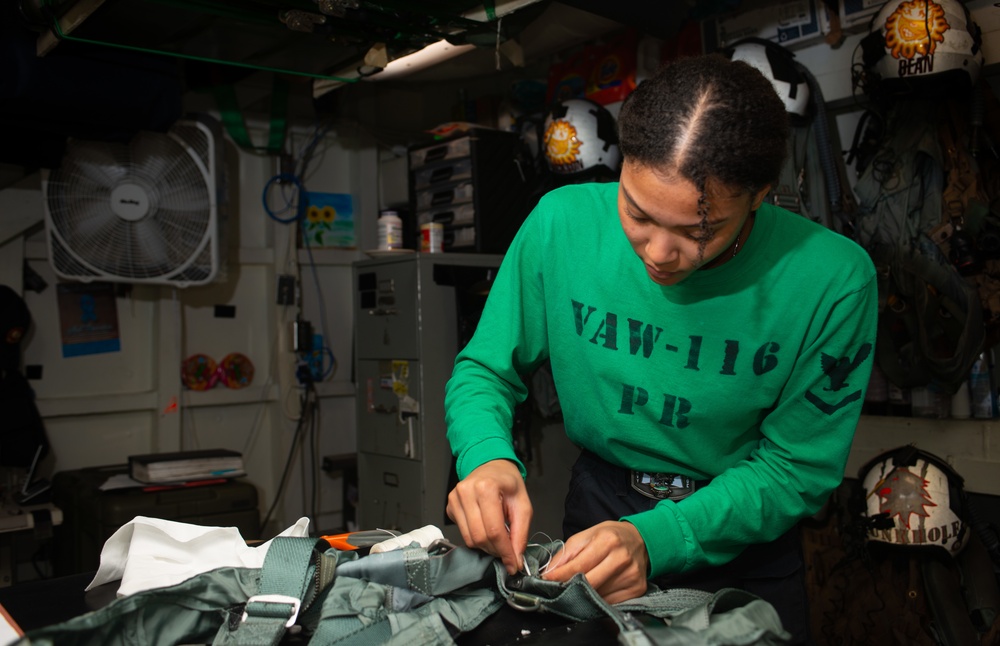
[{"x": 286, "y": 289}]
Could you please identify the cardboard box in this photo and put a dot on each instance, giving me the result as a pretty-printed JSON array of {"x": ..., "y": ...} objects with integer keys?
[
  {"x": 856, "y": 15},
  {"x": 790, "y": 24}
]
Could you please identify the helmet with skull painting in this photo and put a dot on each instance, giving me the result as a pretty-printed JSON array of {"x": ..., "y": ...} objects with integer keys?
[{"x": 914, "y": 499}]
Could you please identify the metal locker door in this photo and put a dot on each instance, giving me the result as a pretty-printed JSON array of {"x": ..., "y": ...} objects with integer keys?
[{"x": 386, "y": 424}]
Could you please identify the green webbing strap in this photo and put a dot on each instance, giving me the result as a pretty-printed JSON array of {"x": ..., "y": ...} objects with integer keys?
[
  {"x": 786, "y": 193},
  {"x": 285, "y": 580},
  {"x": 351, "y": 631},
  {"x": 666, "y": 603},
  {"x": 729, "y": 616},
  {"x": 232, "y": 116}
]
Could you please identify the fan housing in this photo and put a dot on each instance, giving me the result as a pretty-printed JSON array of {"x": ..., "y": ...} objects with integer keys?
[{"x": 145, "y": 211}]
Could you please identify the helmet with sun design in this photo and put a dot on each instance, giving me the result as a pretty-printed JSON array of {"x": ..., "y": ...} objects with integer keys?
[
  {"x": 580, "y": 137},
  {"x": 924, "y": 47}
]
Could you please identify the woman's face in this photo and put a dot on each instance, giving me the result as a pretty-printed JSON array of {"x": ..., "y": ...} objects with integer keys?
[{"x": 659, "y": 214}]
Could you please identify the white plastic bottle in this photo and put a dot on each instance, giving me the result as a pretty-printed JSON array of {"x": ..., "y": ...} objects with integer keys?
[
  {"x": 961, "y": 403},
  {"x": 390, "y": 231},
  {"x": 922, "y": 399},
  {"x": 930, "y": 401}
]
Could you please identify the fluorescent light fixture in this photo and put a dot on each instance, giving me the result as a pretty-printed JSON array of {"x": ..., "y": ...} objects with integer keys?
[
  {"x": 427, "y": 57},
  {"x": 422, "y": 59},
  {"x": 397, "y": 68}
]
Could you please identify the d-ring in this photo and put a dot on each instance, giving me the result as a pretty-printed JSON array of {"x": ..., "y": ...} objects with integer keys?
[{"x": 524, "y": 602}]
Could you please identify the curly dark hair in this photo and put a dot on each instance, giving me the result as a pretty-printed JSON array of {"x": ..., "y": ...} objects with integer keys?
[{"x": 707, "y": 117}]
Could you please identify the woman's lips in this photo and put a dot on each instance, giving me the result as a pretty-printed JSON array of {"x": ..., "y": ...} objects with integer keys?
[{"x": 660, "y": 275}]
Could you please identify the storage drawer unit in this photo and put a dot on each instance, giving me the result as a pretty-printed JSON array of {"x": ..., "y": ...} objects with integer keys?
[{"x": 475, "y": 185}]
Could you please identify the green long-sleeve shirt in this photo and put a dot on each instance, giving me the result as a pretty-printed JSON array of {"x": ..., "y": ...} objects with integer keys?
[{"x": 751, "y": 374}]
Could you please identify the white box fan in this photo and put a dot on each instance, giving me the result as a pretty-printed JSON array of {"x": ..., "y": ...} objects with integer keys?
[{"x": 146, "y": 211}]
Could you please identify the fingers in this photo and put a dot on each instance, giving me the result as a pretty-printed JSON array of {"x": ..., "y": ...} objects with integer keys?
[
  {"x": 519, "y": 513},
  {"x": 487, "y": 502},
  {"x": 477, "y": 509},
  {"x": 617, "y": 581},
  {"x": 611, "y": 555},
  {"x": 581, "y": 555}
]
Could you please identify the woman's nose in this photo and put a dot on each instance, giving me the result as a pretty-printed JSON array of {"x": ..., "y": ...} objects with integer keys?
[{"x": 661, "y": 247}]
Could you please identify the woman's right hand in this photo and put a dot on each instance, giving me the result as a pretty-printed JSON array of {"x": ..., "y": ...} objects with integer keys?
[{"x": 492, "y": 510}]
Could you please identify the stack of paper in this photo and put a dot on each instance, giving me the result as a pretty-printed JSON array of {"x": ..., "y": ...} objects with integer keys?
[{"x": 186, "y": 466}]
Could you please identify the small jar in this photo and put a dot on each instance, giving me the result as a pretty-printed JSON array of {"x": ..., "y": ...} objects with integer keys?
[
  {"x": 432, "y": 237},
  {"x": 390, "y": 231}
]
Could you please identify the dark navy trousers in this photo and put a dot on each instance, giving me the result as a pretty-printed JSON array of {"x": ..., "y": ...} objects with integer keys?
[{"x": 774, "y": 571}]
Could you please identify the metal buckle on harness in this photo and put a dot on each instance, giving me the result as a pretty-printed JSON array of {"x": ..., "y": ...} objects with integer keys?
[
  {"x": 276, "y": 598},
  {"x": 663, "y": 486}
]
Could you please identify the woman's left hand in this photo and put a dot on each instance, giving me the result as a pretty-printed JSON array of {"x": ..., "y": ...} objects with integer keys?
[{"x": 613, "y": 557}]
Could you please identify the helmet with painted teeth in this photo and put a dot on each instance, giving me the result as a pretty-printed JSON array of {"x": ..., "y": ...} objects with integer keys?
[{"x": 914, "y": 499}]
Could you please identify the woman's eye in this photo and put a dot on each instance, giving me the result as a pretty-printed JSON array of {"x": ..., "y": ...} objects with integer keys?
[
  {"x": 635, "y": 216},
  {"x": 701, "y": 236}
]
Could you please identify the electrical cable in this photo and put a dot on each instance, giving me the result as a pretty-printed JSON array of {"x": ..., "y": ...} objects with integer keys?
[
  {"x": 305, "y": 155},
  {"x": 307, "y": 427},
  {"x": 314, "y": 479},
  {"x": 327, "y": 372},
  {"x": 252, "y": 435},
  {"x": 303, "y": 497},
  {"x": 301, "y": 205},
  {"x": 321, "y": 301},
  {"x": 180, "y": 333},
  {"x": 304, "y": 160},
  {"x": 307, "y": 406}
]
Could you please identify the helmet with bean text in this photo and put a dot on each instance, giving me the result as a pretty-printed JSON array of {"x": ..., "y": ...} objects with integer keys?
[
  {"x": 914, "y": 499},
  {"x": 924, "y": 47}
]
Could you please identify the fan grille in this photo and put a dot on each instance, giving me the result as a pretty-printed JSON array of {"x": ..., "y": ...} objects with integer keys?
[{"x": 142, "y": 211}]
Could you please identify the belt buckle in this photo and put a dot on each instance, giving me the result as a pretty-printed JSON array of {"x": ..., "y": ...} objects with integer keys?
[{"x": 663, "y": 486}]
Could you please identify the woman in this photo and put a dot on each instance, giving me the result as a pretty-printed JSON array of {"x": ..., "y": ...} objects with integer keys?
[{"x": 710, "y": 351}]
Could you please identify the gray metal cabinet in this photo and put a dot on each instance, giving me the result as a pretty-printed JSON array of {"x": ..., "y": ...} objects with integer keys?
[{"x": 413, "y": 311}]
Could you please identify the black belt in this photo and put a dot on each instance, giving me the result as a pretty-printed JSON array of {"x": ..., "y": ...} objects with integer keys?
[{"x": 665, "y": 486}]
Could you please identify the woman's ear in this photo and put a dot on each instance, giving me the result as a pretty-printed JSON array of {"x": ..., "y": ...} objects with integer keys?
[{"x": 758, "y": 199}]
